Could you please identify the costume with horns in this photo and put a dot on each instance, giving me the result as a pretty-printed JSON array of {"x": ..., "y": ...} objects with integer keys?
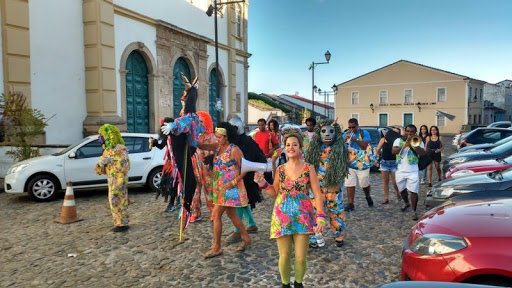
[
  {"x": 327, "y": 153},
  {"x": 187, "y": 124},
  {"x": 115, "y": 164}
]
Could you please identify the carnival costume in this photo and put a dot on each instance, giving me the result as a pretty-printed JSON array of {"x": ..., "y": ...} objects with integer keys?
[
  {"x": 114, "y": 163},
  {"x": 187, "y": 124},
  {"x": 168, "y": 187},
  {"x": 202, "y": 162},
  {"x": 327, "y": 153}
]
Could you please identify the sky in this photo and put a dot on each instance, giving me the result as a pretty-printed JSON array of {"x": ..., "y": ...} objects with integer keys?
[{"x": 467, "y": 37}]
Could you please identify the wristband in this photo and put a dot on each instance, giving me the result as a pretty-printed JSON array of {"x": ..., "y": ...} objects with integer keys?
[{"x": 320, "y": 219}]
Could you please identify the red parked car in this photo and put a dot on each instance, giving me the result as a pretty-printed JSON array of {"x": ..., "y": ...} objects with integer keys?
[
  {"x": 461, "y": 242},
  {"x": 472, "y": 167}
]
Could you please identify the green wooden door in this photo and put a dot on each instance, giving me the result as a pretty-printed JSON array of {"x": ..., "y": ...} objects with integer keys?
[
  {"x": 407, "y": 119},
  {"x": 383, "y": 120},
  {"x": 177, "y": 84},
  {"x": 137, "y": 96},
  {"x": 213, "y": 95}
]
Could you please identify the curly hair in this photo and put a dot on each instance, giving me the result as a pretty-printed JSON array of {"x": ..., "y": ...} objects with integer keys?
[
  {"x": 232, "y": 131},
  {"x": 111, "y": 135},
  {"x": 338, "y": 168}
]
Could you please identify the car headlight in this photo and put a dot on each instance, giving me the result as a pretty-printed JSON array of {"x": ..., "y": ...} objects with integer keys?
[
  {"x": 438, "y": 244},
  {"x": 456, "y": 160},
  {"x": 17, "y": 168},
  {"x": 462, "y": 173},
  {"x": 441, "y": 192}
]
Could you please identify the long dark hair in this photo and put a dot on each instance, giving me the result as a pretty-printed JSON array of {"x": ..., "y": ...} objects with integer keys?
[
  {"x": 426, "y": 128},
  {"x": 276, "y": 125},
  {"x": 437, "y": 129}
]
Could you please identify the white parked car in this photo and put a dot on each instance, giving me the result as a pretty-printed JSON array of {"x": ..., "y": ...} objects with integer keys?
[{"x": 42, "y": 177}]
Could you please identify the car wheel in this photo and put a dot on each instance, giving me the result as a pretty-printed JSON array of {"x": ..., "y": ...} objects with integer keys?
[
  {"x": 154, "y": 178},
  {"x": 43, "y": 188}
]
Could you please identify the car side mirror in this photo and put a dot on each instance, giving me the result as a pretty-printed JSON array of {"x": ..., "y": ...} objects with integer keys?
[{"x": 72, "y": 155}]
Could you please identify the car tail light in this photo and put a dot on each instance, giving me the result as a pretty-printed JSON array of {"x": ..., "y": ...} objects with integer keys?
[{"x": 463, "y": 143}]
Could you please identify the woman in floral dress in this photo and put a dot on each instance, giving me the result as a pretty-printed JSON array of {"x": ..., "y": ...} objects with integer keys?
[
  {"x": 228, "y": 187},
  {"x": 293, "y": 217},
  {"x": 115, "y": 164}
]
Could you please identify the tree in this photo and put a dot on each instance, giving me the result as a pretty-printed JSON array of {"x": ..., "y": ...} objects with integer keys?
[{"x": 20, "y": 125}]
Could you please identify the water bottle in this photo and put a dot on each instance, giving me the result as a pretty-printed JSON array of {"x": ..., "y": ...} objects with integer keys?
[{"x": 320, "y": 239}]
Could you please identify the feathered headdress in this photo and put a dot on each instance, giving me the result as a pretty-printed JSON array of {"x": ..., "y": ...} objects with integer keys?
[
  {"x": 111, "y": 135},
  {"x": 337, "y": 171},
  {"x": 207, "y": 121}
]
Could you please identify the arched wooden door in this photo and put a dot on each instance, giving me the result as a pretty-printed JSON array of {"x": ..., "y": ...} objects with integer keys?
[
  {"x": 177, "y": 84},
  {"x": 212, "y": 96},
  {"x": 137, "y": 95}
]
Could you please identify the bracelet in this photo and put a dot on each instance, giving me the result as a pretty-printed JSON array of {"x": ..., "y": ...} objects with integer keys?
[
  {"x": 264, "y": 186},
  {"x": 233, "y": 182},
  {"x": 320, "y": 219}
]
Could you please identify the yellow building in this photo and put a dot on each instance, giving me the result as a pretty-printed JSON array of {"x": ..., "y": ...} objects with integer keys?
[
  {"x": 89, "y": 62},
  {"x": 405, "y": 92}
]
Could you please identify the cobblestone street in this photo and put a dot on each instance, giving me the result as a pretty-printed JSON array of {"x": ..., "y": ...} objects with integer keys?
[{"x": 35, "y": 251}]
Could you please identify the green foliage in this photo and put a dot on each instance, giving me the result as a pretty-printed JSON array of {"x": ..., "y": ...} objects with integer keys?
[
  {"x": 252, "y": 95},
  {"x": 21, "y": 125}
]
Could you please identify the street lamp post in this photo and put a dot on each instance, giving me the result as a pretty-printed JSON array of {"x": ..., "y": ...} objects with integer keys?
[
  {"x": 312, "y": 68},
  {"x": 327, "y": 108},
  {"x": 211, "y": 10}
]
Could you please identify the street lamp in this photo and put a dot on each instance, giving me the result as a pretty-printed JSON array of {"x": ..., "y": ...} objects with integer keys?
[
  {"x": 211, "y": 10},
  {"x": 327, "y": 107},
  {"x": 335, "y": 91},
  {"x": 312, "y": 68}
]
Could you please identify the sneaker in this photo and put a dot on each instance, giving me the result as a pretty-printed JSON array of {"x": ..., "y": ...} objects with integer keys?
[
  {"x": 120, "y": 228},
  {"x": 370, "y": 201},
  {"x": 422, "y": 181},
  {"x": 233, "y": 238},
  {"x": 405, "y": 207},
  {"x": 171, "y": 208},
  {"x": 349, "y": 207},
  {"x": 252, "y": 229},
  {"x": 313, "y": 245},
  {"x": 415, "y": 216}
]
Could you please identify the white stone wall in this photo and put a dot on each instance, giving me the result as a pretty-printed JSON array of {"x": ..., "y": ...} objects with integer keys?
[
  {"x": 181, "y": 13},
  {"x": 57, "y": 67},
  {"x": 128, "y": 31}
]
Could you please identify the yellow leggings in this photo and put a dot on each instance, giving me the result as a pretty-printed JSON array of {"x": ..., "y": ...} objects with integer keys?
[{"x": 284, "y": 245}]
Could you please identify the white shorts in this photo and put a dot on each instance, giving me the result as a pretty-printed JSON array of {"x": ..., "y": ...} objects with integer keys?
[
  {"x": 362, "y": 175},
  {"x": 409, "y": 180}
]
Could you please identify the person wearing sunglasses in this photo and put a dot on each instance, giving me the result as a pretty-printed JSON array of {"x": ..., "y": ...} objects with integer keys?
[{"x": 359, "y": 163}]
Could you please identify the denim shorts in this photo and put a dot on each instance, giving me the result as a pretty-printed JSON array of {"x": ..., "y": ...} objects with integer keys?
[{"x": 388, "y": 165}]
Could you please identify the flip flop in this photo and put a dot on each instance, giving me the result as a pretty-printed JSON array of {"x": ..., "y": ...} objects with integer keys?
[
  {"x": 242, "y": 247},
  {"x": 212, "y": 254}
]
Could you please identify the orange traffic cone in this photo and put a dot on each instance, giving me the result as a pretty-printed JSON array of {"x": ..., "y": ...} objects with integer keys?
[{"x": 68, "y": 212}]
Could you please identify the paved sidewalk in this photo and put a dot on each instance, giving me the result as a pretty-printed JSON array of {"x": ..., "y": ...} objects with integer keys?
[{"x": 34, "y": 249}]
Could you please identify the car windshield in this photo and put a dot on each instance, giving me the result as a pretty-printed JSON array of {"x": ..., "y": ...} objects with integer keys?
[
  {"x": 504, "y": 140},
  {"x": 65, "y": 150},
  {"x": 503, "y": 148}
]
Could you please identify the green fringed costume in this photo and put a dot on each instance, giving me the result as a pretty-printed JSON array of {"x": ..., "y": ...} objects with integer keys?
[{"x": 327, "y": 153}]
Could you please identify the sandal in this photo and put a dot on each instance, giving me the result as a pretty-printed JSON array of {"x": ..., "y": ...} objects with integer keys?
[
  {"x": 243, "y": 246},
  {"x": 385, "y": 202},
  {"x": 212, "y": 254}
]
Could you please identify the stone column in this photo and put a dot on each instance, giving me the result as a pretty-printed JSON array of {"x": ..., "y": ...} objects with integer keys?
[
  {"x": 16, "y": 46},
  {"x": 100, "y": 72}
]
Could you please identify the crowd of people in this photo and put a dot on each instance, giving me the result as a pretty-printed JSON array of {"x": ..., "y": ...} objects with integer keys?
[{"x": 310, "y": 172}]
